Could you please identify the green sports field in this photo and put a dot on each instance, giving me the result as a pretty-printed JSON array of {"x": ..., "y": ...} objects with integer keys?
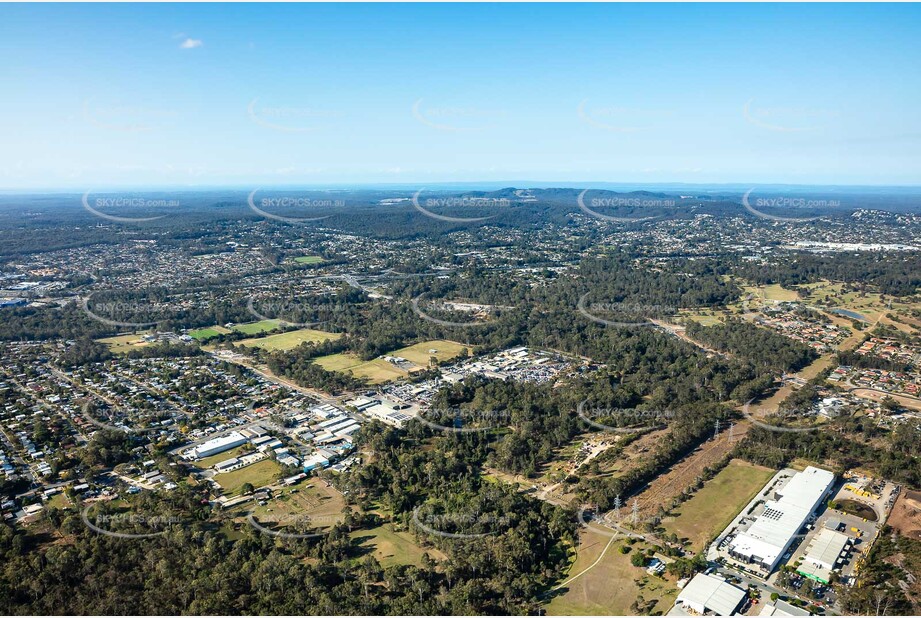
[
  {"x": 291, "y": 339},
  {"x": 203, "y": 334},
  {"x": 376, "y": 371},
  {"x": 257, "y": 328},
  {"x": 309, "y": 259},
  {"x": 420, "y": 353}
]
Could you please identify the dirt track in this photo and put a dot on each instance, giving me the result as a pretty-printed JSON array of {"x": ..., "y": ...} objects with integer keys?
[{"x": 667, "y": 486}]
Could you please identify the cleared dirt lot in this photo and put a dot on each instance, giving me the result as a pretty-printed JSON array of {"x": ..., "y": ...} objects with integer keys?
[{"x": 906, "y": 514}]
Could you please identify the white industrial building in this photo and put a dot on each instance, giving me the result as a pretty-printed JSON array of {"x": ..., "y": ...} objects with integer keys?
[
  {"x": 219, "y": 445},
  {"x": 708, "y": 595},
  {"x": 772, "y": 533},
  {"x": 825, "y": 550}
]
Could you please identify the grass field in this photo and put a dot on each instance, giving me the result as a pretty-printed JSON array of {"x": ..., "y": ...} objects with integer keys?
[
  {"x": 322, "y": 504},
  {"x": 123, "y": 343},
  {"x": 259, "y": 474},
  {"x": 420, "y": 353},
  {"x": 257, "y": 328},
  {"x": 291, "y": 339},
  {"x": 203, "y": 334},
  {"x": 702, "y": 318},
  {"x": 391, "y": 548},
  {"x": 611, "y": 586},
  {"x": 775, "y": 291},
  {"x": 376, "y": 371},
  {"x": 715, "y": 505},
  {"x": 309, "y": 259},
  {"x": 59, "y": 501}
]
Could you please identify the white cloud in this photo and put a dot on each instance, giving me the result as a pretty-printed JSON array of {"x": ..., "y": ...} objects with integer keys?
[{"x": 190, "y": 43}]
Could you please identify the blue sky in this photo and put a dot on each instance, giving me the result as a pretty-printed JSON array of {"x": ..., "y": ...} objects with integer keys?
[{"x": 98, "y": 96}]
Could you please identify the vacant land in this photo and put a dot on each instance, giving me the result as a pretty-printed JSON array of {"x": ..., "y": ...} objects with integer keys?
[
  {"x": 321, "y": 503},
  {"x": 203, "y": 334},
  {"x": 612, "y": 585},
  {"x": 420, "y": 353},
  {"x": 706, "y": 318},
  {"x": 309, "y": 259},
  {"x": 715, "y": 505},
  {"x": 257, "y": 328},
  {"x": 291, "y": 339},
  {"x": 258, "y": 474},
  {"x": 391, "y": 547},
  {"x": 123, "y": 343},
  {"x": 906, "y": 514},
  {"x": 376, "y": 371},
  {"x": 773, "y": 292},
  {"x": 60, "y": 501}
]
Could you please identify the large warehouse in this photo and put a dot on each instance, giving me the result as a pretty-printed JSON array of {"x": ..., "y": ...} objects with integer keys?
[
  {"x": 708, "y": 594},
  {"x": 219, "y": 445},
  {"x": 765, "y": 542},
  {"x": 825, "y": 550}
]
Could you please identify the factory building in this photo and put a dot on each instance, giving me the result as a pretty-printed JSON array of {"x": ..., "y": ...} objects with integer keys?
[{"x": 774, "y": 530}]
